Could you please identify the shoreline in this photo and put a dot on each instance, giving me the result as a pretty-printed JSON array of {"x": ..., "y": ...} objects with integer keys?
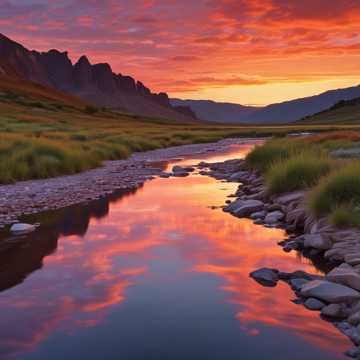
[
  {"x": 33, "y": 197},
  {"x": 337, "y": 293}
]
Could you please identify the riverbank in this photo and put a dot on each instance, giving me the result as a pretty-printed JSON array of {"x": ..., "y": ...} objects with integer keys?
[
  {"x": 336, "y": 294},
  {"x": 35, "y": 196}
]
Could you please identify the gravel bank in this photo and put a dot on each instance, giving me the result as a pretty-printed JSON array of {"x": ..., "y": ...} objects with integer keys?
[{"x": 35, "y": 196}]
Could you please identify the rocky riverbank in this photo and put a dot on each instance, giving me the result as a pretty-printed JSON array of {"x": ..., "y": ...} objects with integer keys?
[
  {"x": 337, "y": 294},
  {"x": 35, "y": 196}
]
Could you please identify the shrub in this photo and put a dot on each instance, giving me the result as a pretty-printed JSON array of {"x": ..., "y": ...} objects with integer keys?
[
  {"x": 298, "y": 172},
  {"x": 345, "y": 216},
  {"x": 340, "y": 189},
  {"x": 264, "y": 156}
]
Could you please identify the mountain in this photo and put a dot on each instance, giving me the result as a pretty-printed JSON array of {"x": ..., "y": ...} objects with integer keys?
[
  {"x": 285, "y": 112},
  {"x": 94, "y": 83},
  {"x": 343, "y": 112},
  {"x": 290, "y": 111},
  {"x": 219, "y": 112}
]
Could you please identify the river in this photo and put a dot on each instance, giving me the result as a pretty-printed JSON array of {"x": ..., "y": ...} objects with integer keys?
[{"x": 159, "y": 273}]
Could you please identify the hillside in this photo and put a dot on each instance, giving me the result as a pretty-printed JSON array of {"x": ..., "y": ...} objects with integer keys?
[
  {"x": 343, "y": 112},
  {"x": 281, "y": 113},
  {"x": 94, "y": 83},
  {"x": 218, "y": 112}
]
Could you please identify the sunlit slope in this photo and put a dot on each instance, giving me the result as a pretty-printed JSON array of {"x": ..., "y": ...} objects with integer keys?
[{"x": 344, "y": 112}]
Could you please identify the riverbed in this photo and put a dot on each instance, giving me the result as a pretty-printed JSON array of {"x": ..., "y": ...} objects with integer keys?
[{"x": 159, "y": 272}]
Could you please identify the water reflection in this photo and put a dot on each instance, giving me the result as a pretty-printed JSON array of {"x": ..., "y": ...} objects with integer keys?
[{"x": 162, "y": 270}]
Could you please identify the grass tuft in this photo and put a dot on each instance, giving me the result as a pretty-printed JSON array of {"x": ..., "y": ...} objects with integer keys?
[{"x": 298, "y": 172}]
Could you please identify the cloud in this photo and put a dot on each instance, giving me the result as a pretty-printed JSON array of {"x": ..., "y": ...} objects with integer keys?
[{"x": 165, "y": 42}]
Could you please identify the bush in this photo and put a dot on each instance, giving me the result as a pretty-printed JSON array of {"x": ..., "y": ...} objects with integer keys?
[
  {"x": 264, "y": 156},
  {"x": 345, "y": 216},
  {"x": 341, "y": 189},
  {"x": 298, "y": 172}
]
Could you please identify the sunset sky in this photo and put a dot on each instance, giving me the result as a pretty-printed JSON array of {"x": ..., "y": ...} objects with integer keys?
[{"x": 244, "y": 51}]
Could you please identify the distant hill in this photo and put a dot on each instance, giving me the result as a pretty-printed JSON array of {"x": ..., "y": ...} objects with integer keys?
[
  {"x": 94, "y": 83},
  {"x": 281, "y": 113},
  {"x": 293, "y": 110},
  {"x": 343, "y": 112},
  {"x": 219, "y": 112}
]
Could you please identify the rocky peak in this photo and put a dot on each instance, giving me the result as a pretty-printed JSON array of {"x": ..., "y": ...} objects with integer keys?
[
  {"x": 59, "y": 67},
  {"x": 104, "y": 77},
  {"x": 142, "y": 89}
]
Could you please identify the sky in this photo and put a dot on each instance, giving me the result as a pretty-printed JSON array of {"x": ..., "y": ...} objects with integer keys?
[{"x": 252, "y": 52}]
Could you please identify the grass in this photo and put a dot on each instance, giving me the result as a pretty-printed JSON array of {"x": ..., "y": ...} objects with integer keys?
[
  {"x": 308, "y": 163},
  {"x": 298, "y": 172},
  {"x": 44, "y": 133},
  {"x": 338, "y": 194}
]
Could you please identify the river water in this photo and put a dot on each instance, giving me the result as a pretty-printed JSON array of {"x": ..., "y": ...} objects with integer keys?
[{"x": 155, "y": 274}]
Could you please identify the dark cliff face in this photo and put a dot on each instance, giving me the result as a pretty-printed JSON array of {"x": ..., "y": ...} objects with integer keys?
[{"x": 94, "y": 83}]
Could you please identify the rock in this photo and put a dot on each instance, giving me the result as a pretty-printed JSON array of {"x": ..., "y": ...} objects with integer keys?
[
  {"x": 243, "y": 208},
  {"x": 258, "y": 215},
  {"x": 266, "y": 277},
  {"x": 329, "y": 292},
  {"x": 238, "y": 176},
  {"x": 21, "y": 228},
  {"x": 317, "y": 241},
  {"x": 290, "y": 197},
  {"x": 273, "y": 217},
  {"x": 314, "y": 304},
  {"x": 345, "y": 275},
  {"x": 353, "y": 353},
  {"x": 165, "y": 175},
  {"x": 297, "y": 284},
  {"x": 180, "y": 174},
  {"x": 354, "y": 319},
  {"x": 334, "y": 311}
]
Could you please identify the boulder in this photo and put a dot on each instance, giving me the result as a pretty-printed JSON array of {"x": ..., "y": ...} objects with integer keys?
[
  {"x": 329, "y": 292},
  {"x": 345, "y": 275},
  {"x": 314, "y": 304},
  {"x": 334, "y": 311},
  {"x": 21, "y": 228},
  {"x": 317, "y": 241},
  {"x": 274, "y": 217},
  {"x": 297, "y": 284},
  {"x": 266, "y": 277},
  {"x": 258, "y": 215},
  {"x": 243, "y": 208},
  {"x": 238, "y": 176},
  {"x": 290, "y": 197}
]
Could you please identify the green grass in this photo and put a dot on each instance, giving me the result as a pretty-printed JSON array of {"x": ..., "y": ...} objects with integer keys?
[
  {"x": 264, "y": 156},
  {"x": 297, "y": 172},
  {"x": 44, "y": 133},
  {"x": 306, "y": 163},
  {"x": 337, "y": 192}
]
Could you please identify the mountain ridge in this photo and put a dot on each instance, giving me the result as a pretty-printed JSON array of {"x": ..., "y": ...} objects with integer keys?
[
  {"x": 94, "y": 83},
  {"x": 288, "y": 111}
]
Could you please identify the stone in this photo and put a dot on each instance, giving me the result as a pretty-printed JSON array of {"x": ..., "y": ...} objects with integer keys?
[
  {"x": 266, "y": 277},
  {"x": 22, "y": 228},
  {"x": 317, "y": 241},
  {"x": 273, "y": 217},
  {"x": 329, "y": 292},
  {"x": 353, "y": 353},
  {"x": 297, "y": 284},
  {"x": 334, "y": 311},
  {"x": 238, "y": 176},
  {"x": 258, "y": 215},
  {"x": 313, "y": 304},
  {"x": 245, "y": 208},
  {"x": 354, "y": 319},
  {"x": 290, "y": 197},
  {"x": 345, "y": 276}
]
